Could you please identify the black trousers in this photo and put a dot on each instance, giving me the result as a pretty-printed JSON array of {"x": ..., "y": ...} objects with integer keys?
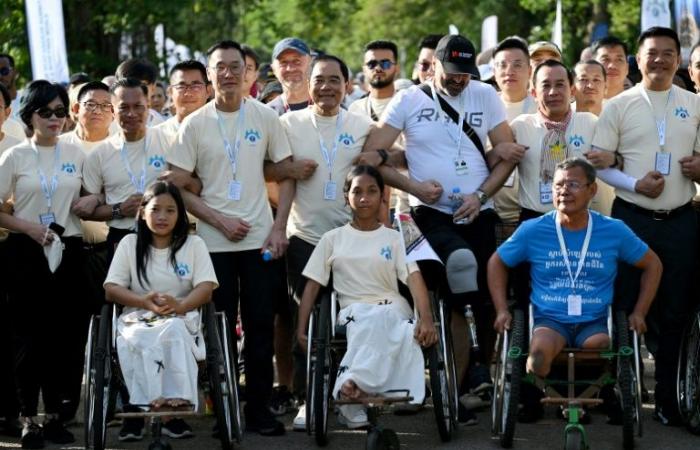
[
  {"x": 9, "y": 407},
  {"x": 49, "y": 320},
  {"x": 114, "y": 236},
  {"x": 675, "y": 241},
  {"x": 245, "y": 279}
]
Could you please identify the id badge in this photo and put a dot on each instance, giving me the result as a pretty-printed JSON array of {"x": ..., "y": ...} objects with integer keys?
[
  {"x": 330, "y": 190},
  {"x": 234, "y": 190},
  {"x": 663, "y": 163},
  {"x": 545, "y": 193},
  {"x": 47, "y": 219},
  {"x": 574, "y": 305},
  {"x": 461, "y": 168}
]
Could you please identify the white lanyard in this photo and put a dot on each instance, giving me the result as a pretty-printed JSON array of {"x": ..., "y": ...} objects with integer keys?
[
  {"x": 140, "y": 183},
  {"x": 584, "y": 249},
  {"x": 660, "y": 124},
  {"x": 232, "y": 152},
  {"x": 449, "y": 128},
  {"x": 45, "y": 188},
  {"x": 329, "y": 156}
]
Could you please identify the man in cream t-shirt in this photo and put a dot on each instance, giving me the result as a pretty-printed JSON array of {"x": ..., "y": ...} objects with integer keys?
[
  {"x": 125, "y": 164},
  {"x": 226, "y": 143},
  {"x": 653, "y": 129}
]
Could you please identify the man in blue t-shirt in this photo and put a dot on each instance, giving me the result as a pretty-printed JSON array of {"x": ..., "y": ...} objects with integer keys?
[{"x": 573, "y": 253}]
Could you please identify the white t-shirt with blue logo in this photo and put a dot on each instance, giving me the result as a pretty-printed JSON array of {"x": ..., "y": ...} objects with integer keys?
[
  {"x": 529, "y": 130},
  {"x": 535, "y": 242},
  {"x": 431, "y": 149}
]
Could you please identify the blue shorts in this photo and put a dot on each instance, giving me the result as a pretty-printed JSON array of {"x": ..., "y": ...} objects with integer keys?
[{"x": 575, "y": 334}]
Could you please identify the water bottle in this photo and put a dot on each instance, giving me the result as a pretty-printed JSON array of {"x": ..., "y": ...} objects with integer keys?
[
  {"x": 267, "y": 255},
  {"x": 471, "y": 326},
  {"x": 457, "y": 201}
]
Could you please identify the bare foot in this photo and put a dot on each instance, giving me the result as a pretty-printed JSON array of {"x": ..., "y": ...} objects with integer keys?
[
  {"x": 158, "y": 403},
  {"x": 177, "y": 402},
  {"x": 350, "y": 390}
]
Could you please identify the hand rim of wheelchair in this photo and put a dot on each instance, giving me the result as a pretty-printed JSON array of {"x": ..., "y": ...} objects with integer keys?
[{"x": 688, "y": 380}]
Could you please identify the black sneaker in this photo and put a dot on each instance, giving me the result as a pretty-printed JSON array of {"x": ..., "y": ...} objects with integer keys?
[
  {"x": 55, "y": 431},
  {"x": 531, "y": 409},
  {"x": 32, "y": 436},
  {"x": 265, "y": 425},
  {"x": 670, "y": 418},
  {"x": 281, "y": 401},
  {"x": 465, "y": 416},
  {"x": 132, "y": 430},
  {"x": 177, "y": 429}
]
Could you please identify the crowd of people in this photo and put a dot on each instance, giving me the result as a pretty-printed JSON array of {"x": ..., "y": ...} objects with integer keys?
[{"x": 290, "y": 174}]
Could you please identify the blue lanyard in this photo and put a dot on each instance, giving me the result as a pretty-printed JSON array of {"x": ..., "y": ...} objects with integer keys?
[
  {"x": 140, "y": 183},
  {"x": 232, "y": 151},
  {"x": 329, "y": 156},
  {"x": 48, "y": 191}
]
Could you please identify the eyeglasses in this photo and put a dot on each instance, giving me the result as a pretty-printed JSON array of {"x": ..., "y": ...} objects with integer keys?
[
  {"x": 423, "y": 66},
  {"x": 221, "y": 69},
  {"x": 93, "y": 106},
  {"x": 46, "y": 113},
  {"x": 137, "y": 109},
  {"x": 573, "y": 186},
  {"x": 184, "y": 87},
  {"x": 5, "y": 71},
  {"x": 384, "y": 64}
]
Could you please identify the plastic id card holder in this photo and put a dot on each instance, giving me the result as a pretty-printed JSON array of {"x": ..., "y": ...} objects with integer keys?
[{"x": 234, "y": 190}]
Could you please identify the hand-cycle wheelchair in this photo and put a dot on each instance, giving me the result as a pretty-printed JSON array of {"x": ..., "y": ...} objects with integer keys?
[
  {"x": 325, "y": 348},
  {"x": 621, "y": 370},
  {"x": 103, "y": 380},
  {"x": 689, "y": 375}
]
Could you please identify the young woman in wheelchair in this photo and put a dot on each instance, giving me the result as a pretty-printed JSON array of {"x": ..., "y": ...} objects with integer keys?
[
  {"x": 161, "y": 275},
  {"x": 383, "y": 337},
  {"x": 574, "y": 255}
]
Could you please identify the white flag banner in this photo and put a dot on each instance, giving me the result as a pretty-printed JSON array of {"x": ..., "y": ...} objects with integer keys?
[
  {"x": 556, "y": 29},
  {"x": 489, "y": 33},
  {"x": 687, "y": 14},
  {"x": 655, "y": 13},
  {"x": 47, "y": 42}
]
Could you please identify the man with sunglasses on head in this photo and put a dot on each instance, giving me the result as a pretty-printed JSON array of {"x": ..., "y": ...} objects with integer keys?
[
  {"x": 291, "y": 58},
  {"x": 445, "y": 124}
]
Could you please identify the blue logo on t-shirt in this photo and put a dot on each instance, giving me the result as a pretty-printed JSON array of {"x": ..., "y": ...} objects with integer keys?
[
  {"x": 157, "y": 162},
  {"x": 346, "y": 139},
  {"x": 68, "y": 168},
  {"x": 576, "y": 140},
  {"x": 681, "y": 112},
  {"x": 386, "y": 253},
  {"x": 252, "y": 136},
  {"x": 182, "y": 270}
]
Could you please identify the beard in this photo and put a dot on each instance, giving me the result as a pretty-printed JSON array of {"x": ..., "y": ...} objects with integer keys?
[{"x": 379, "y": 83}]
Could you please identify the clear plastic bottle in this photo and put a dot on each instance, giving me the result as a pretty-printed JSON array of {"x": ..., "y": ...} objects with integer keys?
[
  {"x": 457, "y": 201},
  {"x": 471, "y": 326}
]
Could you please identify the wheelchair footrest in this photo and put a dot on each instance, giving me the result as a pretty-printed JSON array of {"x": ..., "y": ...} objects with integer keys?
[
  {"x": 170, "y": 412},
  {"x": 375, "y": 400},
  {"x": 568, "y": 401}
]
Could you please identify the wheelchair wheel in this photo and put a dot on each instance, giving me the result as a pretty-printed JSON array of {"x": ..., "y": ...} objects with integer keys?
[
  {"x": 626, "y": 381},
  {"x": 688, "y": 384},
  {"x": 310, "y": 365},
  {"x": 322, "y": 372},
  {"x": 443, "y": 376},
  {"x": 509, "y": 378},
  {"x": 98, "y": 376},
  {"x": 573, "y": 439},
  {"x": 222, "y": 382},
  {"x": 231, "y": 402}
]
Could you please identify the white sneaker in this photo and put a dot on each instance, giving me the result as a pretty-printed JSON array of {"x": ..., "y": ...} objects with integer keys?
[
  {"x": 353, "y": 416},
  {"x": 299, "y": 423}
]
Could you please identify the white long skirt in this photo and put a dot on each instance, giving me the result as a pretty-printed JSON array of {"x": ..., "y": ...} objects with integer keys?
[
  {"x": 382, "y": 353},
  {"x": 158, "y": 356}
]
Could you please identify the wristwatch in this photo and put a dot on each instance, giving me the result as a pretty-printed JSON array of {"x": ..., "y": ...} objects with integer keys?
[
  {"x": 117, "y": 211},
  {"x": 384, "y": 155},
  {"x": 481, "y": 195}
]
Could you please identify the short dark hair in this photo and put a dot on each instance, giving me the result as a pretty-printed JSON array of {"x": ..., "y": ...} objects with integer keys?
[
  {"x": 512, "y": 43},
  {"x": 128, "y": 83},
  {"x": 225, "y": 45},
  {"x": 161, "y": 85},
  {"x": 190, "y": 64},
  {"x": 92, "y": 86},
  {"x": 141, "y": 69},
  {"x": 327, "y": 58},
  {"x": 363, "y": 170},
  {"x": 692, "y": 50},
  {"x": 430, "y": 41},
  {"x": 9, "y": 58},
  {"x": 609, "y": 41},
  {"x": 78, "y": 78},
  {"x": 383, "y": 45},
  {"x": 592, "y": 62},
  {"x": 571, "y": 163},
  {"x": 659, "y": 32},
  {"x": 553, "y": 63},
  {"x": 249, "y": 52},
  {"x": 5, "y": 95},
  {"x": 38, "y": 94}
]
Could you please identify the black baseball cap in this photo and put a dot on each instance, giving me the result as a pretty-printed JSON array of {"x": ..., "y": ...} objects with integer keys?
[{"x": 457, "y": 55}]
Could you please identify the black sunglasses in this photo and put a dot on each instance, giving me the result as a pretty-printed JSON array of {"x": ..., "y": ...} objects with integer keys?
[
  {"x": 46, "y": 113},
  {"x": 5, "y": 71},
  {"x": 385, "y": 64}
]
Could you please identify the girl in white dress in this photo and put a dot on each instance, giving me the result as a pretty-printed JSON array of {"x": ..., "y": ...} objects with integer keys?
[
  {"x": 367, "y": 261},
  {"x": 161, "y": 274}
]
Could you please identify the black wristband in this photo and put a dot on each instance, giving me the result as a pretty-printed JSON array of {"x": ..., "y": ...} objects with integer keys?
[
  {"x": 384, "y": 155},
  {"x": 117, "y": 211}
]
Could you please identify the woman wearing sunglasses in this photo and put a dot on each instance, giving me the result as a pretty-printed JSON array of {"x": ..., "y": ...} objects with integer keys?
[{"x": 43, "y": 179}]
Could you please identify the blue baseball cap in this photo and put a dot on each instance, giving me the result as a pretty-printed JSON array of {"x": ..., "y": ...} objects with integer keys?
[{"x": 290, "y": 43}]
